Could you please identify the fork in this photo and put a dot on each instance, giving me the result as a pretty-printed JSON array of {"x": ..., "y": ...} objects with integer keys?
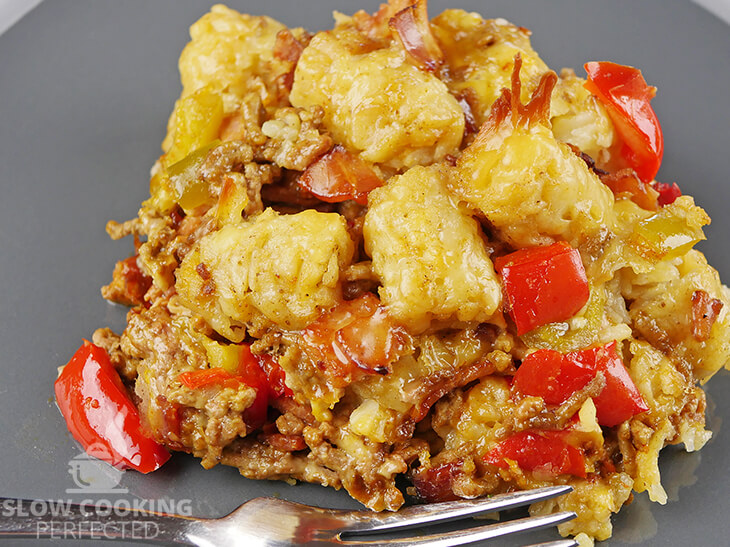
[{"x": 270, "y": 522}]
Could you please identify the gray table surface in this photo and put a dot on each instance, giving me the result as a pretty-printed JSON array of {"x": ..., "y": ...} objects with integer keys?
[
  {"x": 12, "y": 11},
  {"x": 86, "y": 88}
]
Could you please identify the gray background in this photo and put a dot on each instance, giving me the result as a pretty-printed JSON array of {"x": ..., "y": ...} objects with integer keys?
[{"x": 86, "y": 87}]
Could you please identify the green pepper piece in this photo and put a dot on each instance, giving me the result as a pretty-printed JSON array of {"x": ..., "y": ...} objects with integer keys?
[{"x": 190, "y": 190}]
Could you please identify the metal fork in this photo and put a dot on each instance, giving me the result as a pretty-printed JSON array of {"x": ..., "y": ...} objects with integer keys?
[{"x": 270, "y": 522}]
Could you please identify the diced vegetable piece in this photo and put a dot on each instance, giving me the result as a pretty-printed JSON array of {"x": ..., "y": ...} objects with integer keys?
[
  {"x": 667, "y": 192},
  {"x": 555, "y": 377},
  {"x": 191, "y": 191},
  {"x": 543, "y": 284},
  {"x": 136, "y": 282},
  {"x": 225, "y": 356},
  {"x": 551, "y": 375},
  {"x": 626, "y": 96},
  {"x": 195, "y": 379},
  {"x": 542, "y": 451},
  {"x": 253, "y": 374},
  {"x": 276, "y": 377},
  {"x": 260, "y": 372},
  {"x": 565, "y": 337},
  {"x": 100, "y": 415},
  {"x": 620, "y": 399},
  {"x": 339, "y": 176},
  {"x": 198, "y": 118},
  {"x": 667, "y": 236}
]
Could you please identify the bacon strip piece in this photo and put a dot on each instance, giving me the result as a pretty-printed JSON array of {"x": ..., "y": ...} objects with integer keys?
[
  {"x": 704, "y": 313},
  {"x": 626, "y": 184},
  {"x": 413, "y": 29},
  {"x": 508, "y": 108}
]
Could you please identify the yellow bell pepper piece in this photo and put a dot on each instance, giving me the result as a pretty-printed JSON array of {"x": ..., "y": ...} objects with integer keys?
[
  {"x": 198, "y": 119},
  {"x": 189, "y": 190},
  {"x": 666, "y": 236}
]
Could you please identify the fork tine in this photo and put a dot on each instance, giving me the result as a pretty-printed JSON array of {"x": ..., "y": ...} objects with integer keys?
[
  {"x": 418, "y": 515},
  {"x": 470, "y": 535},
  {"x": 558, "y": 543}
]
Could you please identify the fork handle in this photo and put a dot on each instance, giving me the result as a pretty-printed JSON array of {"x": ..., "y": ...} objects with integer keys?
[{"x": 61, "y": 519}]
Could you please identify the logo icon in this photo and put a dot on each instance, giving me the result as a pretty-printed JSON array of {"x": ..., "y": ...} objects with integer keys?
[{"x": 94, "y": 476}]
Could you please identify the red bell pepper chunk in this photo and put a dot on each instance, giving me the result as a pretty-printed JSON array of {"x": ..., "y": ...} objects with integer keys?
[
  {"x": 251, "y": 374},
  {"x": 551, "y": 375},
  {"x": 626, "y": 96},
  {"x": 667, "y": 192},
  {"x": 100, "y": 415},
  {"x": 620, "y": 399},
  {"x": 543, "y": 284},
  {"x": 275, "y": 376},
  {"x": 339, "y": 176},
  {"x": 208, "y": 377},
  {"x": 555, "y": 377},
  {"x": 535, "y": 450},
  {"x": 260, "y": 372}
]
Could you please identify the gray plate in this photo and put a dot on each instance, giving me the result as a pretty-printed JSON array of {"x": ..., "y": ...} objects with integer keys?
[{"x": 86, "y": 88}]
